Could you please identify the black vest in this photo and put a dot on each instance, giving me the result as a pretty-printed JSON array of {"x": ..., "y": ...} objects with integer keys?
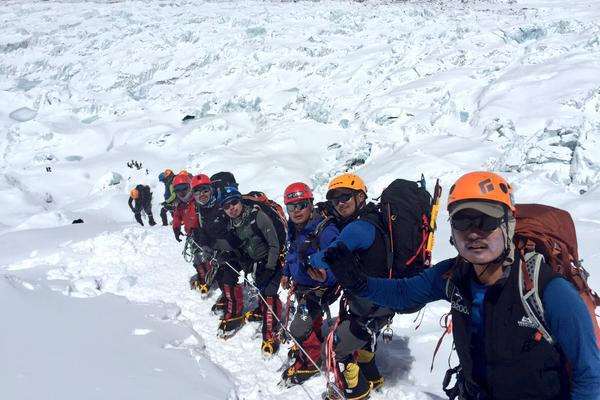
[{"x": 517, "y": 365}]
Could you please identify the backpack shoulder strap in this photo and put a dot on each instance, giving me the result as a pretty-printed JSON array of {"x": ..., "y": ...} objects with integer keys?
[
  {"x": 529, "y": 291},
  {"x": 255, "y": 209}
]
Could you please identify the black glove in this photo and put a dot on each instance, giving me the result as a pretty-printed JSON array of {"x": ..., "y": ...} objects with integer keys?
[
  {"x": 177, "y": 233},
  {"x": 263, "y": 275},
  {"x": 346, "y": 268},
  {"x": 138, "y": 218}
]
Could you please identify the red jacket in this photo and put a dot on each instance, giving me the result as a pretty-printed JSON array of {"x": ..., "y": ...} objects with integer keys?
[{"x": 185, "y": 214}]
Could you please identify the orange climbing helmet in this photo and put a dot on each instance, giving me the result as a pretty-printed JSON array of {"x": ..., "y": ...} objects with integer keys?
[
  {"x": 346, "y": 181},
  {"x": 134, "y": 194},
  {"x": 168, "y": 172},
  {"x": 481, "y": 185}
]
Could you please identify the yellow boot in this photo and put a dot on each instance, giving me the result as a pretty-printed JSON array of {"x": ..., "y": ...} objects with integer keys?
[
  {"x": 366, "y": 362},
  {"x": 357, "y": 387}
]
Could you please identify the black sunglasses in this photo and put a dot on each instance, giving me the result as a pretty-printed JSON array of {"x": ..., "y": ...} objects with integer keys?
[
  {"x": 230, "y": 204},
  {"x": 301, "y": 205},
  {"x": 482, "y": 222},
  {"x": 182, "y": 187},
  {"x": 342, "y": 198},
  {"x": 203, "y": 189}
]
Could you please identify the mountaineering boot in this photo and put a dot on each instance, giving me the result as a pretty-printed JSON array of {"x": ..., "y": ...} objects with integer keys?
[
  {"x": 293, "y": 352},
  {"x": 269, "y": 347},
  {"x": 203, "y": 289},
  {"x": 298, "y": 373},
  {"x": 366, "y": 362},
  {"x": 255, "y": 315},
  {"x": 195, "y": 284},
  {"x": 219, "y": 306},
  {"x": 151, "y": 221},
  {"x": 229, "y": 327},
  {"x": 357, "y": 387},
  {"x": 163, "y": 217}
]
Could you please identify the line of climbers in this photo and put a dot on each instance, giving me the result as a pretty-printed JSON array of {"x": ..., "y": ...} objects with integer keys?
[{"x": 523, "y": 317}]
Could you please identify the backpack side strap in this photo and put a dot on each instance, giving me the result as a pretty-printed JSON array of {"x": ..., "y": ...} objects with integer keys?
[{"x": 529, "y": 291}]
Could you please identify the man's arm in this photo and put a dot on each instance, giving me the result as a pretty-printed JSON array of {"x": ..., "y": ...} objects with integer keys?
[
  {"x": 403, "y": 294},
  {"x": 570, "y": 324},
  {"x": 356, "y": 235},
  {"x": 130, "y": 202},
  {"x": 329, "y": 234},
  {"x": 265, "y": 225},
  {"x": 172, "y": 197},
  {"x": 177, "y": 218}
]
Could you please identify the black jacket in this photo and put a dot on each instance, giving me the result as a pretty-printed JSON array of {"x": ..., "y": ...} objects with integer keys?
[{"x": 143, "y": 202}]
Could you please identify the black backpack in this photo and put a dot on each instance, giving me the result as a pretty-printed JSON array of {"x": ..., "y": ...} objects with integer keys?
[
  {"x": 403, "y": 216},
  {"x": 145, "y": 193}
]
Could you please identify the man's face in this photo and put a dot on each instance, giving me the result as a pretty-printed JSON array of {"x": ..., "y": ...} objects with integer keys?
[
  {"x": 202, "y": 194},
  {"x": 300, "y": 211},
  {"x": 183, "y": 192},
  {"x": 233, "y": 208},
  {"x": 345, "y": 202},
  {"x": 478, "y": 237}
]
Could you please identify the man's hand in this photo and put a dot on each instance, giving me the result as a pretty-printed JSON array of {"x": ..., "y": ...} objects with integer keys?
[
  {"x": 318, "y": 274},
  {"x": 345, "y": 268},
  {"x": 263, "y": 276},
  {"x": 177, "y": 233},
  {"x": 316, "y": 260}
]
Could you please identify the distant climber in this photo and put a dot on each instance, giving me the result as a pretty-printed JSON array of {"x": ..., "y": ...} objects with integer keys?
[
  {"x": 168, "y": 206},
  {"x": 140, "y": 199}
]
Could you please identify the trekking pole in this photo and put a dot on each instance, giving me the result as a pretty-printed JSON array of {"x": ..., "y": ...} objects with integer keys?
[
  {"x": 435, "y": 209},
  {"x": 338, "y": 392}
]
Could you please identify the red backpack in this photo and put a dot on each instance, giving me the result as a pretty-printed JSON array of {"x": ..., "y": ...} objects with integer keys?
[{"x": 549, "y": 232}]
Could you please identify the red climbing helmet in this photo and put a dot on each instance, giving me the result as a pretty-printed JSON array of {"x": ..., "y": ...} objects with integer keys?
[
  {"x": 200, "y": 180},
  {"x": 297, "y": 192},
  {"x": 182, "y": 179}
]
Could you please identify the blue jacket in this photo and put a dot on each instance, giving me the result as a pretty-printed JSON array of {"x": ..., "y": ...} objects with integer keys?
[
  {"x": 168, "y": 195},
  {"x": 357, "y": 235},
  {"x": 296, "y": 263},
  {"x": 566, "y": 314}
]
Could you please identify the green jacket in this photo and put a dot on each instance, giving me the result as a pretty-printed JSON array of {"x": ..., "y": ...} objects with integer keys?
[{"x": 257, "y": 233}]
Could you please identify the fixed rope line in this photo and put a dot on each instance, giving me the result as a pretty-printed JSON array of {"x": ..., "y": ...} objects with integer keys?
[{"x": 336, "y": 389}]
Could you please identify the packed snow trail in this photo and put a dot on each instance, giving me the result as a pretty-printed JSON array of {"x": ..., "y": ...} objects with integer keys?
[{"x": 145, "y": 265}]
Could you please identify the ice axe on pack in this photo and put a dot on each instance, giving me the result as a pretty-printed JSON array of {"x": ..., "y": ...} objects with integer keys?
[{"x": 435, "y": 209}]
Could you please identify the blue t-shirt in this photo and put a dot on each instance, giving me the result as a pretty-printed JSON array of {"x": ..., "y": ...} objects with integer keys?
[{"x": 478, "y": 330}]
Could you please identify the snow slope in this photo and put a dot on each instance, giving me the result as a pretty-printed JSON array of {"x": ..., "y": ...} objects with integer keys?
[{"x": 280, "y": 92}]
